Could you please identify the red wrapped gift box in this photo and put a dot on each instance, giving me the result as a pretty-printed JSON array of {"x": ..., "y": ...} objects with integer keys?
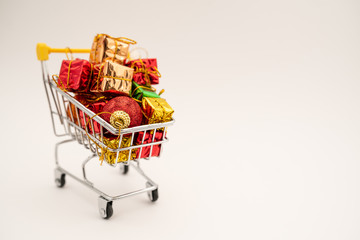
[
  {"x": 96, "y": 107},
  {"x": 145, "y": 152},
  {"x": 145, "y": 71},
  {"x": 74, "y": 75}
]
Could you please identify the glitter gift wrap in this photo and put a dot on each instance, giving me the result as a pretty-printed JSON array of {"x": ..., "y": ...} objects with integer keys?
[
  {"x": 140, "y": 91},
  {"x": 105, "y": 47},
  {"x": 156, "y": 110},
  {"x": 145, "y": 152},
  {"x": 74, "y": 75},
  {"x": 127, "y": 105},
  {"x": 145, "y": 71},
  {"x": 112, "y": 77},
  {"x": 110, "y": 156}
]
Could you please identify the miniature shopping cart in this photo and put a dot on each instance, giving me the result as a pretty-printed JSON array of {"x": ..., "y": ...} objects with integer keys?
[{"x": 64, "y": 125}]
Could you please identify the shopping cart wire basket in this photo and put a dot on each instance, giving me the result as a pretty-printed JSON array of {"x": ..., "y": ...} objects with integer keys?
[{"x": 68, "y": 124}]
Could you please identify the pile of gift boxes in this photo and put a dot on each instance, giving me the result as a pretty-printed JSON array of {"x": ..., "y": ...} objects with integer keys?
[{"x": 110, "y": 75}]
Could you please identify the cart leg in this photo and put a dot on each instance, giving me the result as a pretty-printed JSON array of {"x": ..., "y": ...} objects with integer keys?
[
  {"x": 84, "y": 171},
  {"x": 57, "y": 150},
  {"x": 105, "y": 208}
]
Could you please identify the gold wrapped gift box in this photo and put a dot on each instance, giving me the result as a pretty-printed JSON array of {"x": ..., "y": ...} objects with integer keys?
[
  {"x": 105, "y": 46},
  {"x": 156, "y": 110},
  {"x": 112, "y": 76},
  {"x": 110, "y": 156}
]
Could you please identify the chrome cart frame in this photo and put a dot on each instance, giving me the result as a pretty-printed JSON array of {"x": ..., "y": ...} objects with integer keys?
[{"x": 59, "y": 102}]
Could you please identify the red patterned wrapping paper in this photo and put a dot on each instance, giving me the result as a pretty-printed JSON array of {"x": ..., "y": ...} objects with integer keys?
[
  {"x": 145, "y": 71},
  {"x": 148, "y": 139},
  {"x": 77, "y": 79}
]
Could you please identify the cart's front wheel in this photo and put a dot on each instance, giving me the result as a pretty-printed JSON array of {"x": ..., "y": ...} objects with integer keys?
[
  {"x": 109, "y": 210},
  {"x": 124, "y": 168},
  {"x": 154, "y": 194},
  {"x": 105, "y": 208},
  {"x": 60, "y": 182},
  {"x": 59, "y": 178}
]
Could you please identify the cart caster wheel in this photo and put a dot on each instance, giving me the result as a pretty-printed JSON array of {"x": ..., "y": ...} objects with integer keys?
[
  {"x": 124, "y": 169},
  {"x": 59, "y": 178},
  {"x": 154, "y": 194},
  {"x": 60, "y": 182},
  {"x": 105, "y": 208}
]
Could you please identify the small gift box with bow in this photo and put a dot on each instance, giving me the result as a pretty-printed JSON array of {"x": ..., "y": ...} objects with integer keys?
[
  {"x": 107, "y": 47},
  {"x": 145, "y": 71},
  {"x": 156, "y": 110},
  {"x": 138, "y": 92},
  {"x": 113, "y": 77},
  {"x": 74, "y": 75},
  {"x": 93, "y": 103},
  {"x": 145, "y": 151},
  {"x": 113, "y": 143}
]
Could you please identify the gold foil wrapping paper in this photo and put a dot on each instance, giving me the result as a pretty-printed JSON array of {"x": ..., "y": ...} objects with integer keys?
[
  {"x": 105, "y": 47},
  {"x": 113, "y": 77},
  {"x": 157, "y": 110},
  {"x": 110, "y": 156}
]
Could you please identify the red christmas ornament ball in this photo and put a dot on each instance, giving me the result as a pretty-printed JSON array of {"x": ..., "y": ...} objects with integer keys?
[{"x": 127, "y": 105}]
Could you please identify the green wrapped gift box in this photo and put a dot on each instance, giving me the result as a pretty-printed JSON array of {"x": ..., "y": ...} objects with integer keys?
[{"x": 139, "y": 91}]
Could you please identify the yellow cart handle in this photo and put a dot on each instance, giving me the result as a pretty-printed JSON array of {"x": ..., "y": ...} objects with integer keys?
[{"x": 43, "y": 51}]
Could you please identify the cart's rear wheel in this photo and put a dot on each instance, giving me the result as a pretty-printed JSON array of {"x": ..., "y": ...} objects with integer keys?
[
  {"x": 154, "y": 194},
  {"x": 109, "y": 210},
  {"x": 60, "y": 182},
  {"x": 105, "y": 208},
  {"x": 124, "y": 169}
]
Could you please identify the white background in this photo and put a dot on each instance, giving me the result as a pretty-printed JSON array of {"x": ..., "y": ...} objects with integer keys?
[{"x": 265, "y": 144}]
